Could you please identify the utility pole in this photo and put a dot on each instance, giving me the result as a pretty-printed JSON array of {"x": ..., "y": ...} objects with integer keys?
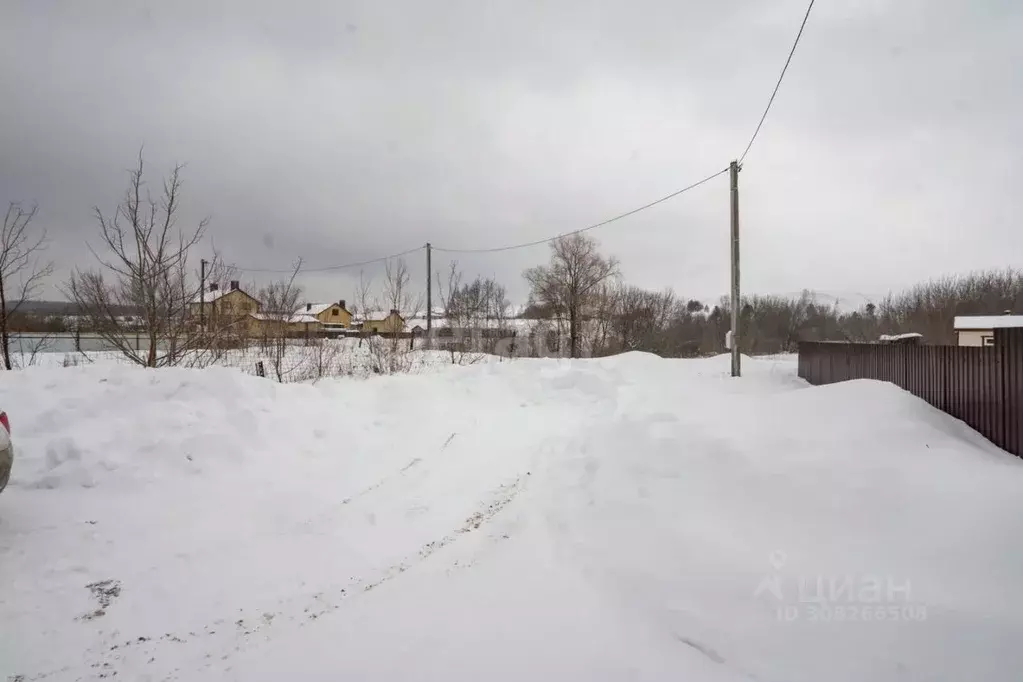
[
  {"x": 202, "y": 296},
  {"x": 733, "y": 175},
  {"x": 429, "y": 294}
]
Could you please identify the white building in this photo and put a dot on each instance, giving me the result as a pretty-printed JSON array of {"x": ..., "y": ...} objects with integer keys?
[{"x": 979, "y": 330}]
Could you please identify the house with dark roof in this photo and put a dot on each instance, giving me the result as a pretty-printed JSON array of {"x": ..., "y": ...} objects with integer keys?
[
  {"x": 333, "y": 316},
  {"x": 223, "y": 307}
]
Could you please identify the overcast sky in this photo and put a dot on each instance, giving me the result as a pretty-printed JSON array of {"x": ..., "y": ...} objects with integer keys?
[{"x": 340, "y": 131}]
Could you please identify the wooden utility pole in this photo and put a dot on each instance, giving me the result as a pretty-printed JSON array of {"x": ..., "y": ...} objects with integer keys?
[
  {"x": 202, "y": 295},
  {"x": 429, "y": 293},
  {"x": 733, "y": 175}
]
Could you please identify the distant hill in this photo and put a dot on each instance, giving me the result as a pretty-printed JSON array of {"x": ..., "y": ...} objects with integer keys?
[
  {"x": 60, "y": 308},
  {"x": 47, "y": 307}
]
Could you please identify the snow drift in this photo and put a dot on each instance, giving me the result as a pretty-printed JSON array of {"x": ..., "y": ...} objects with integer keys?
[{"x": 590, "y": 520}]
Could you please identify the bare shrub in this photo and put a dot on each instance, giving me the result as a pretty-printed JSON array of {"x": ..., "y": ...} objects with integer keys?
[
  {"x": 280, "y": 299},
  {"x": 389, "y": 352},
  {"x": 21, "y": 271},
  {"x": 144, "y": 284}
]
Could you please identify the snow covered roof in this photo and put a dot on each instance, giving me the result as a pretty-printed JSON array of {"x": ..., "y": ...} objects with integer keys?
[
  {"x": 511, "y": 323},
  {"x": 374, "y": 315},
  {"x": 901, "y": 337},
  {"x": 313, "y": 308},
  {"x": 295, "y": 318},
  {"x": 316, "y": 308},
  {"x": 210, "y": 296},
  {"x": 420, "y": 320},
  {"x": 963, "y": 322}
]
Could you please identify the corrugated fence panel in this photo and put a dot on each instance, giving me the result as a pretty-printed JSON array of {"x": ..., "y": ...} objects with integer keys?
[
  {"x": 957, "y": 375},
  {"x": 965, "y": 387},
  {"x": 994, "y": 398},
  {"x": 1010, "y": 343},
  {"x": 983, "y": 386}
]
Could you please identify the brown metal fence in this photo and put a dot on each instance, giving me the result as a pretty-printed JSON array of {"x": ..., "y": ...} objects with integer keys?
[{"x": 983, "y": 386}]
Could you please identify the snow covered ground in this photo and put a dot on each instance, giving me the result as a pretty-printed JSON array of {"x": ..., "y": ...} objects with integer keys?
[
  {"x": 626, "y": 518},
  {"x": 301, "y": 362}
]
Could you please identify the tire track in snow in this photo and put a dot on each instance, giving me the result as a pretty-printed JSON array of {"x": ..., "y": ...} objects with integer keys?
[
  {"x": 414, "y": 462},
  {"x": 505, "y": 494},
  {"x": 222, "y": 638},
  {"x": 332, "y": 509}
]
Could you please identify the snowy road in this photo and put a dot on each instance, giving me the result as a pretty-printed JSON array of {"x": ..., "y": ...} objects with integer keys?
[{"x": 594, "y": 520}]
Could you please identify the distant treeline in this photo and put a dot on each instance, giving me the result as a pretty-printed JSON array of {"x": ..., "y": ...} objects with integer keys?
[
  {"x": 629, "y": 318},
  {"x": 49, "y": 316}
]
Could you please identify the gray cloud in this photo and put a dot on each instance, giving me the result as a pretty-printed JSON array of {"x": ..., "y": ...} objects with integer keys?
[{"x": 344, "y": 131}]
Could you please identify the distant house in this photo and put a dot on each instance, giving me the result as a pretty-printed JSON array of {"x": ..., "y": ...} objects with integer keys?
[
  {"x": 376, "y": 322},
  {"x": 330, "y": 315},
  {"x": 271, "y": 325},
  {"x": 979, "y": 330},
  {"x": 223, "y": 307}
]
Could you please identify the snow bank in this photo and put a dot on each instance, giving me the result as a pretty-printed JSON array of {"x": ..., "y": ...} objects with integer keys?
[{"x": 628, "y": 517}]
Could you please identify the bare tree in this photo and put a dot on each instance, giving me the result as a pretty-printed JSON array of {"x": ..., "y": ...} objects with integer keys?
[
  {"x": 363, "y": 304},
  {"x": 453, "y": 317},
  {"x": 475, "y": 313},
  {"x": 569, "y": 285},
  {"x": 606, "y": 310},
  {"x": 497, "y": 307},
  {"x": 398, "y": 293},
  {"x": 280, "y": 299},
  {"x": 390, "y": 354},
  {"x": 144, "y": 273},
  {"x": 21, "y": 272}
]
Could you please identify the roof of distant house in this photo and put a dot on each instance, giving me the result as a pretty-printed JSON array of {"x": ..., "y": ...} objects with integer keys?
[
  {"x": 901, "y": 337},
  {"x": 317, "y": 308},
  {"x": 981, "y": 322},
  {"x": 294, "y": 318},
  {"x": 211, "y": 295},
  {"x": 509, "y": 323},
  {"x": 374, "y": 315}
]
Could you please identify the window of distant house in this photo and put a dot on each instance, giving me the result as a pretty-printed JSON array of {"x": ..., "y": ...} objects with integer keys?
[
  {"x": 335, "y": 312},
  {"x": 987, "y": 340}
]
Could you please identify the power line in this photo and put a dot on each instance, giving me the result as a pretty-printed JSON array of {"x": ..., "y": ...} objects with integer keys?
[
  {"x": 634, "y": 211},
  {"x": 778, "y": 84},
  {"x": 334, "y": 267},
  {"x": 589, "y": 227}
]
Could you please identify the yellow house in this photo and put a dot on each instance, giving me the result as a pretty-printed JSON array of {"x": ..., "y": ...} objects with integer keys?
[
  {"x": 258, "y": 325},
  {"x": 378, "y": 323},
  {"x": 330, "y": 315},
  {"x": 222, "y": 307}
]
